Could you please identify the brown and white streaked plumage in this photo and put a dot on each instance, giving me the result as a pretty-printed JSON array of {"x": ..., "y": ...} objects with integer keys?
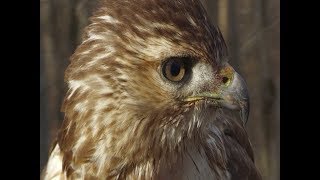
[{"x": 151, "y": 96}]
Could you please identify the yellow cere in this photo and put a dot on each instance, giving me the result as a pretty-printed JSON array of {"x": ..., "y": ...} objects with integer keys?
[{"x": 228, "y": 72}]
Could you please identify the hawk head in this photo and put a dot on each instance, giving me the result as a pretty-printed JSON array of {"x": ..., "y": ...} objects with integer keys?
[{"x": 149, "y": 81}]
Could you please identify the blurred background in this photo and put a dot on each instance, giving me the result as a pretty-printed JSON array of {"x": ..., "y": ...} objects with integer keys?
[{"x": 251, "y": 29}]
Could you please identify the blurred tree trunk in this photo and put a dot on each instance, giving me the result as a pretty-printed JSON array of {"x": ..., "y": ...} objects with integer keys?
[{"x": 251, "y": 30}]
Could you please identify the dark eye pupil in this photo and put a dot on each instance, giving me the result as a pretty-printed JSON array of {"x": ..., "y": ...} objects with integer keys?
[{"x": 175, "y": 69}]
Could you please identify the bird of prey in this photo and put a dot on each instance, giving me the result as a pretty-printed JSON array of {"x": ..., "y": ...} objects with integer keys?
[{"x": 151, "y": 96}]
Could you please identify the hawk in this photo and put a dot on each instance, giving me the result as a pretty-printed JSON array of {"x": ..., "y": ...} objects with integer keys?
[{"x": 151, "y": 96}]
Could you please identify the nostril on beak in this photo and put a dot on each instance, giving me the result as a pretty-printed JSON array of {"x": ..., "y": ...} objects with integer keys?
[{"x": 225, "y": 80}]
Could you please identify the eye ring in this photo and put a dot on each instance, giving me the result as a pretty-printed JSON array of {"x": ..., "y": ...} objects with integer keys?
[{"x": 176, "y": 69}]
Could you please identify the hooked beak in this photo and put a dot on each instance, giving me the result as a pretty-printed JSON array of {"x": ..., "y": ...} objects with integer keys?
[{"x": 231, "y": 94}]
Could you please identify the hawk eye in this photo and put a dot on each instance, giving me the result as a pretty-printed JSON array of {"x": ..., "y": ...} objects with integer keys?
[{"x": 176, "y": 68}]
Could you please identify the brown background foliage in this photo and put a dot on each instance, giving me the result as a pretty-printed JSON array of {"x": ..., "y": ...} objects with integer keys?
[{"x": 251, "y": 29}]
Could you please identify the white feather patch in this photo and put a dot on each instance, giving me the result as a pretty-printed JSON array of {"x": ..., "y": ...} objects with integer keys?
[
  {"x": 109, "y": 19},
  {"x": 54, "y": 167}
]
